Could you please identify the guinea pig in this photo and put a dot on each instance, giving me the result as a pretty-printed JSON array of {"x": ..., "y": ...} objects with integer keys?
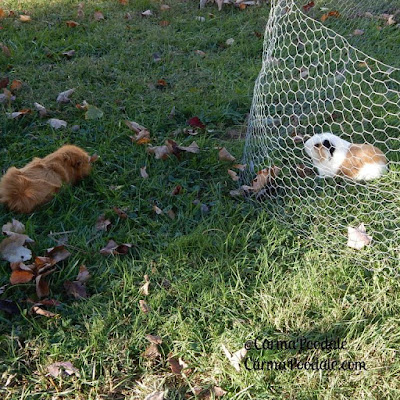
[{"x": 334, "y": 156}]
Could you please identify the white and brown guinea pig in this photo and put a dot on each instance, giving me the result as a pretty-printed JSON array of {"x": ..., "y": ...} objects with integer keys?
[{"x": 334, "y": 156}]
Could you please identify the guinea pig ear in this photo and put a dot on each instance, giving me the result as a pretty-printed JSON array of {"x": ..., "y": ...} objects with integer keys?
[{"x": 329, "y": 146}]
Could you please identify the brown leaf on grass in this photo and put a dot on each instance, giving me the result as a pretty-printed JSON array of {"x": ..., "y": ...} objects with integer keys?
[
  {"x": 41, "y": 109},
  {"x": 171, "y": 214},
  {"x": 192, "y": 148},
  {"x": 358, "y": 32},
  {"x": 164, "y": 23},
  {"x": 69, "y": 53},
  {"x": 2, "y": 14},
  {"x": 13, "y": 227},
  {"x": 98, "y": 16},
  {"x": 157, "y": 210},
  {"x": 143, "y": 172},
  {"x": 39, "y": 311},
  {"x": 18, "y": 114},
  {"x": 154, "y": 339},
  {"x": 164, "y": 7},
  {"x": 25, "y": 18},
  {"x": 145, "y": 288},
  {"x": 80, "y": 13},
  {"x": 143, "y": 137},
  {"x": 160, "y": 152},
  {"x": 5, "y": 49},
  {"x": 333, "y": 13},
  {"x": 176, "y": 190},
  {"x": 161, "y": 84},
  {"x": 224, "y": 155},
  {"x": 83, "y": 274},
  {"x": 57, "y": 123},
  {"x": 75, "y": 289},
  {"x": 144, "y": 306},
  {"x": 57, "y": 254},
  {"x": 20, "y": 276},
  {"x": 151, "y": 352},
  {"x": 234, "y": 176},
  {"x": 72, "y": 24},
  {"x": 42, "y": 287},
  {"x": 219, "y": 392},
  {"x": 155, "y": 396},
  {"x": 240, "y": 167},
  {"x": 177, "y": 365},
  {"x": 63, "y": 97},
  {"x": 15, "y": 85},
  {"x": 265, "y": 177},
  {"x": 113, "y": 248},
  {"x": 57, "y": 368},
  {"x": 12, "y": 248},
  {"x": 147, "y": 13},
  {"x": 196, "y": 123},
  {"x": 235, "y": 358},
  {"x": 102, "y": 223},
  {"x": 358, "y": 237},
  {"x": 135, "y": 126},
  {"x": 4, "y": 82},
  {"x": 122, "y": 214},
  {"x": 308, "y": 6}
]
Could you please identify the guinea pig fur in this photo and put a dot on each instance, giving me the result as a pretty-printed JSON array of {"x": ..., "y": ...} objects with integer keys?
[{"x": 334, "y": 156}]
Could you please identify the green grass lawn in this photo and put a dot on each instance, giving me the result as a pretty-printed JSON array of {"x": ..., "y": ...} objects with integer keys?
[{"x": 221, "y": 272}]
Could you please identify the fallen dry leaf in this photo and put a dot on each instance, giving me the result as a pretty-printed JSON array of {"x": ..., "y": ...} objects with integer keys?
[
  {"x": 177, "y": 365},
  {"x": 154, "y": 339},
  {"x": 157, "y": 210},
  {"x": 192, "y": 148},
  {"x": 176, "y": 190},
  {"x": 75, "y": 289},
  {"x": 42, "y": 287},
  {"x": 72, "y": 24},
  {"x": 224, "y": 155},
  {"x": 164, "y": 7},
  {"x": 200, "y": 53},
  {"x": 113, "y": 248},
  {"x": 5, "y": 50},
  {"x": 13, "y": 227},
  {"x": 143, "y": 137},
  {"x": 160, "y": 152},
  {"x": 195, "y": 123},
  {"x": 18, "y": 114},
  {"x": 98, "y": 16},
  {"x": 102, "y": 223},
  {"x": 235, "y": 358},
  {"x": 358, "y": 237},
  {"x": 57, "y": 123},
  {"x": 122, "y": 214},
  {"x": 164, "y": 23},
  {"x": 83, "y": 274},
  {"x": 39, "y": 311},
  {"x": 57, "y": 254},
  {"x": 20, "y": 276},
  {"x": 161, "y": 84},
  {"x": 240, "y": 167},
  {"x": 144, "y": 306},
  {"x": 25, "y": 18},
  {"x": 358, "y": 32},
  {"x": 12, "y": 249},
  {"x": 15, "y": 85},
  {"x": 230, "y": 41},
  {"x": 2, "y": 14},
  {"x": 135, "y": 126},
  {"x": 219, "y": 392},
  {"x": 4, "y": 82},
  {"x": 57, "y": 368},
  {"x": 220, "y": 3},
  {"x": 265, "y": 177},
  {"x": 155, "y": 396},
  {"x": 171, "y": 214},
  {"x": 308, "y": 6},
  {"x": 145, "y": 288},
  {"x": 41, "y": 109},
  {"x": 334, "y": 13},
  {"x": 143, "y": 172},
  {"x": 151, "y": 352},
  {"x": 63, "y": 97},
  {"x": 234, "y": 176},
  {"x": 147, "y": 13}
]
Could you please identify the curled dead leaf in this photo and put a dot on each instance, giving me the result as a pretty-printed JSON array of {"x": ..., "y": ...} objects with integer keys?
[
  {"x": 63, "y": 97},
  {"x": 102, "y": 223},
  {"x": 75, "y": 289},
  {"x": 57, "y": 368},
  {"x": 224, "y": 155},
  {"x": 41, "y": 109},
  {"x": 113, "y": 248},
  {"x": 358, "y": 237},
  {"x": 144, "y": 306},
  {"x": 265, "y": 177},
  {"x": 72, "y": 24},
  {"x": 143, "y": 172},
  {"x": 40, "y": 311},
  {"x": 234, "y": 176},
  {"x": 154, "y": 339},
  {"x": 235, "y": 358}
]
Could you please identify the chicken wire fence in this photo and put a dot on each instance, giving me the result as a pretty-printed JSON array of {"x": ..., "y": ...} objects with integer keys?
[{"x": 317, "y": 77}]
